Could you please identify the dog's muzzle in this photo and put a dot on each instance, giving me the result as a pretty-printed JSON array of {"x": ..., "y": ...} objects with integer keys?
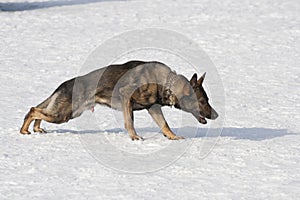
[{"x": 213, "y": 115}]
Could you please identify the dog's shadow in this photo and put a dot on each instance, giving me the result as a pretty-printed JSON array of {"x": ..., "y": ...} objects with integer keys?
[
  {"x": 255, "y": 134},
  {"x": 27, "y": 6}
]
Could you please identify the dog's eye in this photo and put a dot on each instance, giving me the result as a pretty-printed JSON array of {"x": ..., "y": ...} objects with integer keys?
[{"x": 202, "y": 101}]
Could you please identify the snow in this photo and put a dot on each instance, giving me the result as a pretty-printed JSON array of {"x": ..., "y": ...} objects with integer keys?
[{"x": 255, "y": 48}]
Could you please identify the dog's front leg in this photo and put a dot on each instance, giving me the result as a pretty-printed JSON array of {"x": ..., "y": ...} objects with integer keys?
[
  {"x": 158, "y": 117},
  {"x": 128, "y": 117}
]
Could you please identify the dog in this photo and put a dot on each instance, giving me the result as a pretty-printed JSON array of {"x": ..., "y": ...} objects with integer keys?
[{"x": 127, "y": 87}]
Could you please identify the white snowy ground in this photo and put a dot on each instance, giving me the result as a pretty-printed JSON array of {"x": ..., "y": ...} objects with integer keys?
[{"x": 255, "y": 47}]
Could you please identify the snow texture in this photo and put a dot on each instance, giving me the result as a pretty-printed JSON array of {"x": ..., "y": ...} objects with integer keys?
[{"x": 255, "y": 48}]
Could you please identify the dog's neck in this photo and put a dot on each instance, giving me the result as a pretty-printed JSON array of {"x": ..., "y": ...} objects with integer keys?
[{"x": 168, "y": 96}]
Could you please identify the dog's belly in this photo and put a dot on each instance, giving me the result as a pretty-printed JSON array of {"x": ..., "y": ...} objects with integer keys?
[
  {"x": 114, "y": 103},
  {"x": 136, "y": 106}
]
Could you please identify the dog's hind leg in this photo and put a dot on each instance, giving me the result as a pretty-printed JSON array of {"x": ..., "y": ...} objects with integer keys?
[
  {"x": 36, "y": 126},
  {"x": 158, "y": 117},
  {"x": 27, "y": 121},
  {"x": 31, "y": 115},
  {"x": 37, "y": 122},
  {"x": 38, "y": 114}
]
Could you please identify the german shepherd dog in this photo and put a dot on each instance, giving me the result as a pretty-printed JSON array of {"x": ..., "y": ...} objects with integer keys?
[{"x": 127, "y": 87}]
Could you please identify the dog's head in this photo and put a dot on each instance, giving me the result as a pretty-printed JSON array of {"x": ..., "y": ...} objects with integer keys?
[{"x": 195, "y": 100}]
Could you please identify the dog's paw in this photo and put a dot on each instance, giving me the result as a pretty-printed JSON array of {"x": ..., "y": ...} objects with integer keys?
[
  {"x": 179, "y": 138},
  {"x": 176, "y": 137},
  {"x": 40, "y": 130},
  {"x": 25, "y": 132},
  {"x": 136, "y": 137}
]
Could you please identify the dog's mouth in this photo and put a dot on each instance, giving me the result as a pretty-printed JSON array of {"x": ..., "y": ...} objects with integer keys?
[{"x": 200, "y": 118}]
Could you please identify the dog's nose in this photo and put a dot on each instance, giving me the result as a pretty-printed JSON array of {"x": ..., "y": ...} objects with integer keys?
[{"x": 214, "y": 114}]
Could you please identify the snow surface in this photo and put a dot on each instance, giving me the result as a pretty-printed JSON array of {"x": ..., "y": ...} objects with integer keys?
[{"x": 255, "y": 48}]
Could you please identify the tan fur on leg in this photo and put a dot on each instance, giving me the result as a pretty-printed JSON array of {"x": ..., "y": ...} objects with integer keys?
[
  {"x": 38, "y": 115},
  {"x": 36, "y": 126},
  {"x": 157, "y": 115}
]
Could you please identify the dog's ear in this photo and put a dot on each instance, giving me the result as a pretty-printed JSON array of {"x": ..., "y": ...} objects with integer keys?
[
  {"x": 201, "y": 79},
  {"x": 193, "y": 80},
  {"x": 187, "y": 89}
]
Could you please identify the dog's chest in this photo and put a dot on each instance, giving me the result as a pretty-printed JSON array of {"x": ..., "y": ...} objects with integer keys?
[{"x": 146, "y": 95}]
